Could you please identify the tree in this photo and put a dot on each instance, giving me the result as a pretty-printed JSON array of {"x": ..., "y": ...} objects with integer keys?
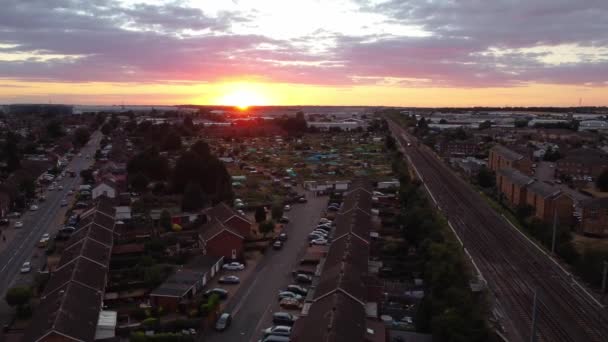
[
  {"x": 139, "y": 182},
  {"x": 602, "y": 181},
  {"x": 87, "y": 176},
  {"x": 106, "y": 129},
  {"x": 28, "y": 187},
  {"x": 422, "y": 124},
  {"x": 485, "y": 178},
  {"x": 81, "y": 137},
  {"x": 18, "y": 296},
  {"x": 54, "y": 129},
  {"x": 201, "y": 148},
  {"x": 277, "y": 211},
  {"x": 266, "y": 227},
  {"x": 151, "y": 164},
  {"x": 485, "y": 125},
  {"x": 260, "y": 214},
  {"x": 172, "y": 141},
  {"x": 11, "y": 152},
  {"x": 551, "y": 155},
  {"x": 193, "y": 198},
  {"x": 98, "y": 154},
  {"x": 165, "y": 220},
  {"x": 521, "y": 123}
]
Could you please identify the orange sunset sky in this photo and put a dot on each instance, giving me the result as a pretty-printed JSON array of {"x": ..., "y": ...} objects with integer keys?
[{"x": 272, "y": 52}]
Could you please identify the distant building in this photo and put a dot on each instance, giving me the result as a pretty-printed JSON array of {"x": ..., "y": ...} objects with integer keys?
[
  {"x": 502, "y": 157},
  {"x": 344, "y": 125},
  {"x": 548, "y": 201},
  {"x": 457, "y": 148},
  {"x": 582, "y": 163},
  {"x": 594, "y": 217}
]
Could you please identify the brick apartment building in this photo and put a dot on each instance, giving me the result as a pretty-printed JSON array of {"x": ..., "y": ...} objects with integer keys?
[
  {"x": 501, "y": 157},
  {"x": 512, "y": 184},
  {"x": 547, "y": 201},
  {"x": 582, "y": 163},
  {"x": 594, "y": 217}
]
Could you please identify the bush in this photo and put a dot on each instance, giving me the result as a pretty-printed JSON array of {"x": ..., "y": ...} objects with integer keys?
[{"x": 150, "y": 323}]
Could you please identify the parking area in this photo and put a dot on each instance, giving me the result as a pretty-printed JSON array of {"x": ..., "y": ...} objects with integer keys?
[{"x": 256, "y": 299}]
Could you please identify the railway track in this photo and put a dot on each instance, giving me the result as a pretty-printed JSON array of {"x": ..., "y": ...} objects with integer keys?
[{"x": 513, "y": 268}]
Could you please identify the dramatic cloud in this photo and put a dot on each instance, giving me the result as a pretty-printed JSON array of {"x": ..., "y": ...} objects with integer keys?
[{"x": 468, "y": 43}]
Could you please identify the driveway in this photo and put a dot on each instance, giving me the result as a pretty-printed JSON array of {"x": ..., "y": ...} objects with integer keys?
[
  {"x": 21, "y": 246},
  {"x": 545, "y": 171},
  {"x": 255, "y": 301}
]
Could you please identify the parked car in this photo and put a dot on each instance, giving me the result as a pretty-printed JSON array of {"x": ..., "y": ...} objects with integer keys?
[
  {"x": 60, "y": 188},
  {"x": 278, "y": 244},
  {"x": 324, "y": 220},
  {"x": 33, "y": 207},
  {"x": 302, "y": 199},
  {"x": 287, "y": 207},
  {"x": 64, "y": 203},
  {"x": 289, "y": 294},
  {"x": 4, "y": 222},
  {"x": 44, "y": 240},
  {"x": 26, "y": 267},
  {"x": 280, "y": 330},
  {"x": 303, "y": 278},
  {"x": 283, "y": 318},
  {"x": 297, "y": 289},
  {"x": 321, "y": 232},
  {"x": 223, "y": 294},
  {"x": 282, "y": 237},
  {"x": 18, "y": 224},
  {"x": 14, "y": 214},
  {"x": 284, "y": 219},
  {"x": 319, "y": 242},
  {"x": 332, "y": 209},
  {"x": 276, "y": 338},
  {"x": 290, "y": 304},
  {"x": 315, "y": 236},
  {"x": 231, "y": 279},
  {"x": 223, "y": 322},
  {"x": 233, "y": 266}
]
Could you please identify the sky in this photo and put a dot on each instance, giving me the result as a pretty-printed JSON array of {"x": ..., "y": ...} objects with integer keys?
[{"x": 305, "y": 52}]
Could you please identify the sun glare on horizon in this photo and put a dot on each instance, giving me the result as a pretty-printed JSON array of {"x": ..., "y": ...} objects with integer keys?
[{"x": 243, "y": 97}]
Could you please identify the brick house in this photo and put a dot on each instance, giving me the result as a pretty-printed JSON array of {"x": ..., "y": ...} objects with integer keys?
[
  {"x": 512, "y": 184},
  {"x": 548, "y": 200},
  {"x": 217, "y": 239},
  {"x": 594, "y": 217},
  {"x": 229, "y": 218},
  {"x": 501, "y": 157},
  {"x": 582, "y": 163},
  {"x": 185, "y": 283}
]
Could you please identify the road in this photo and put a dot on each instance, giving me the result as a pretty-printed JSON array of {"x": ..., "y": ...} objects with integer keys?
[
  {"x": 514, "y": 267},
  {"x": 47, "y": 219},
  {"x": 252, "y": 306}
]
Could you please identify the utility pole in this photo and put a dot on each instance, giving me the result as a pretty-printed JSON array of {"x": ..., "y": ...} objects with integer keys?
[
  {"x": 554, "y": 231},
  {"x": 533, "y": 333}
]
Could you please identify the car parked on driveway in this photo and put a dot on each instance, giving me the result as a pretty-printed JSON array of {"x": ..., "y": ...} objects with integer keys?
[
  {"x": 284, "y": 219},
  {"x": 18, "y": 224},
  {"x": 287, "y": 207},
  {"x": 290, "y": 304},
  {"x": 26, "y": 267},
  {"x": 289, "y": 294},
  {"x": 223, "y": 294},
  {"x": 33, "y": 207},
  {"x": 297, "y": 289},
  {"x": 319, "y": 242},
  {"x": 303, "y": 278},
  {"x": 233, "y": 266},
  {"x": 283, "y": 318},
  {"x": 231, "y": 279},
  {"x": 280, "y": 330},
  {"x": 282, "y": 237},
  {"x": 223, "y": 322},
  {"x": 277, "y": 244}
]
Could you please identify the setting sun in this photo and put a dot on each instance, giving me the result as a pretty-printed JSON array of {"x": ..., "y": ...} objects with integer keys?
[{"x": 242, "y": 97}]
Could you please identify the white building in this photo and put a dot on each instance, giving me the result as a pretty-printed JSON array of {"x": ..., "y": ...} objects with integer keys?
[{"x": 104, "y": 188}]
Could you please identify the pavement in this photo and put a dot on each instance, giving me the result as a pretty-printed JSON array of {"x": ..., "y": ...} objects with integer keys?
[
  {"x": 256, "y": 299},
  {"x": 21, "y": 244}
]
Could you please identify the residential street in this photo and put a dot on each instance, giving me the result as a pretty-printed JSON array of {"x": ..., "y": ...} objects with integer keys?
[
  {"x": 252, "y": 306},
  {"x": 21, "y": 246}
]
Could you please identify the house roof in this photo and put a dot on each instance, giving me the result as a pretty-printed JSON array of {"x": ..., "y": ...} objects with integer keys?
[
  {"x": 223, "y": 212},
  {"x": 515, "y": 176},
  {"x": 595, "y": 203},
  {"x": 344, "y": 278},
  {"x": 506, "y": 152},
  {"x": 336, "y": 317},
  {"x": 214, "y": 227},
  {"x": 71, "y": 310},
  {"x": 71, "y": 301},
  {"x": 178, "y": 284},
  {"x": 543, "y": 189}
]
